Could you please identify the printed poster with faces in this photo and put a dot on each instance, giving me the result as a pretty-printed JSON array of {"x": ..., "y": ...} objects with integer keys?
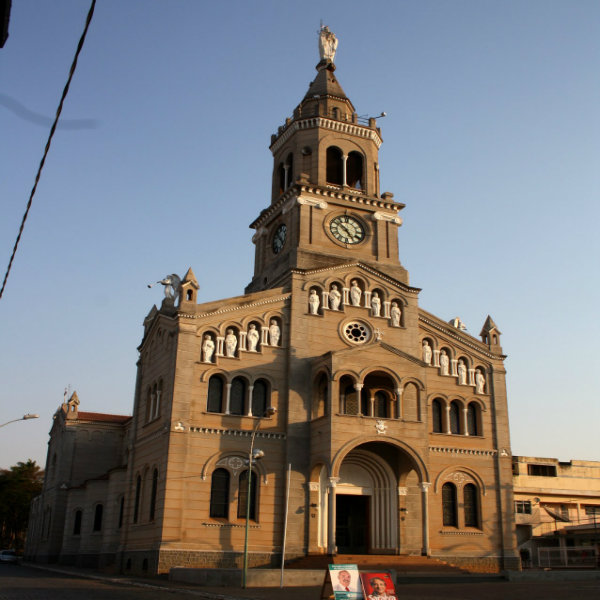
[
  {"x": 345, "y": 581},
  {"x": 378, "y": 585}
]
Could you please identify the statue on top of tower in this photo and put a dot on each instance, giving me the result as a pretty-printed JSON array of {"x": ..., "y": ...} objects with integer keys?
[{"x": 327, "y": 44}]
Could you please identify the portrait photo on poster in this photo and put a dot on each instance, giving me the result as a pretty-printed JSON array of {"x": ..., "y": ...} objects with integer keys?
[
  {"x": 345, "y": 581},
  {"x": 378, "y": 585}
]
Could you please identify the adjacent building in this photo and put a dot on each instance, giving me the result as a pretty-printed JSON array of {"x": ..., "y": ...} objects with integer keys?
[{"x": 392, "y": 421}]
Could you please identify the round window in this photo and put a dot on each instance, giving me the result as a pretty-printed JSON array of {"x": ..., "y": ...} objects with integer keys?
[{"x": 357, "y": 332}]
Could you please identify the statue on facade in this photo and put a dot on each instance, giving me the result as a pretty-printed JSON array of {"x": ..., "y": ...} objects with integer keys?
[
  {"x": 479, "y": 382},
  {"x": 375, "y": 305},
  {"x": 314, "y": 302},
  {"x": 395, "y": 313},
  {"x": 335, "y": 297},
  {"x": 253, "y": 337},
  {"x": 355, "y": 293},
  {"x": 172, "y": 284},
  {"x": 444, "y": 363},
  {"x": 274, "y": 333},
  {"x": 462, "y": 373},
  {"x": 426, "y": 352},
  {"x": 328, "y": 44},
  {"x": 230, "y": 343},
  {"x": 208, "y": 349}
]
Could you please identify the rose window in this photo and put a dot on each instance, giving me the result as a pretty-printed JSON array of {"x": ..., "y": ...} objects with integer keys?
[{"x": 357, "y": 332}]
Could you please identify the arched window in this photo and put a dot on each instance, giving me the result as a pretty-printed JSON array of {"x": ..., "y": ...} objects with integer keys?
[
  {"x": 454, "y": 417},
  {"x": 281, "y": 178},
  {"x": 219, "y": 494},
  {"x": 449, "y": 505},
  {"x": 138, "y": 494},
  {"x": 289, "y": 163},
  {"x": 471, "y": 501},
  {"x": 349, "y": 397},
  {"x": 98, "y": 517},
  {"x": 243, "y": 495},
  {"x": 153, "y": 494},
  {"x": 436, "y": 416},
  {"x": 380, "y": 408},
  {"x": 159, "y": 391},
  {"x": 354, "y": 170},
  {"x": 215, "y": 395},
  {"x": 259, "y": 398},
  {"x": 237, "y": 396},
  {"x": 148, "y": 404},
  {"x": 77, "y": 523},
  {"x": 335, "y": 171},
  {"x": 473, "y": 419}
]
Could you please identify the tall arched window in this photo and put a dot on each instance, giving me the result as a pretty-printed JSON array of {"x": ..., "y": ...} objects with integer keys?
[
  {"x": 153, "y": 494},
  {"x": 381, "y": 405},
  {"x": 237, "y": 396},
  {"x": 335, "y": 172},
  {"x": 138, "y": 494},
  {"x": 289, "y": 163},
  {"x": 243, "y": 495},
  {"x": 349, "y": 399},
  {"x": 436, "y": 416},
  {"x": 473, "y": 419},
  {"x": 259, "y": 398},
  {"x": 454, "y": 417},
  {"x": 449, "y": 505},
  {"x": 215, "y": 395},
  {"x": 354, "y": 170},
  {"x": 219, "y": 494},
  {"x": 77, "y": 523},
  {"x": 471, "y": 501},
  {"x": 98, "y": 517}
]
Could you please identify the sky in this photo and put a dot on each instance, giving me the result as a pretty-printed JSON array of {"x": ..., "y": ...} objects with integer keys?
[{"x": 161, "y": 162}]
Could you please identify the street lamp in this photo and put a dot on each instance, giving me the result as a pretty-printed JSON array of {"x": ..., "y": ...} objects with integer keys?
[
  {"x": 253, "y": 456},
  {"x": 23, "y": 418}
]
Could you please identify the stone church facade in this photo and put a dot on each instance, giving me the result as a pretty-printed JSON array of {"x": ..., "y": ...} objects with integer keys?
[{"x": 392, "y": 422}]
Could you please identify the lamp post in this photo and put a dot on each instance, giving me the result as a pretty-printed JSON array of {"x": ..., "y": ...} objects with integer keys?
[
  {"x": 253, "y": 455},
  {"x": 23, "y": 418}
]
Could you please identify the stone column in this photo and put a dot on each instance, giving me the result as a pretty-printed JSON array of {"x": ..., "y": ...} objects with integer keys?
[
  {"x": 220, "y": 342},
  {"x": 286, "y": 182},
  {"x": 249, "y": 411},
  {"x": 454, "y": 367},
  {"x": 425, "y": 512},
  {"x": 465, "y": 414},
  {"x": 358, "y": 387},
  {"x": 346, "y": 296},
  {"x": 386, "y": 309},
  {"x": 448, "y": 429},
  {"x": 367, "y": 299},
  {"x": 472, "y": 377},
  {"x": 264, "y": 336},
  {"x": 227, "y": 397},
  {"x": 372, "y": 405},
  {"x": 344, "y": 159},
  {"x": 436, "y": 358},
  {"x": 399, "y": 402},
  {"x": 331, "y": 547},
  {"x": 325, "y": 300},
  {"x": 243, "y": 335}
]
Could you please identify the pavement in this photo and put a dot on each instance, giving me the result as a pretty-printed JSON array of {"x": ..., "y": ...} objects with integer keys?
[{"x": 581, "y": 588}]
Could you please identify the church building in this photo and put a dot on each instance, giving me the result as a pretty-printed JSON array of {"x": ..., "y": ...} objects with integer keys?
[{"x": 391, "y": 422}]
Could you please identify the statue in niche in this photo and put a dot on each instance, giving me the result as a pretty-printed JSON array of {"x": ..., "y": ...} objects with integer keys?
[
  {"x": 479, "y": 382},
  {"x": 462, "y": 373},
  {"x": 230, "y": 343},
  {"x": 327, "y": 44},
  {"x": 426, "y": 352},
  {"x": 274, "y": 333},
  {"x": 375, "y": 305},
  {"x": 355, "y": 293},
  {"x": 395, "y": 313},
  {"x": 314, "y": 302},
  {"x": 253, "y": 337},
  {"x": 208, "y": 349},
  {"x": 335, "y": 297},
  {"x": 444, "y": 363}
]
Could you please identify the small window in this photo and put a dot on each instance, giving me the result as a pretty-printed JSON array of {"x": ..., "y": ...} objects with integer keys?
[
  {"x": 219, "y": 494},
  {"x": 77, "y": 523},
  {"x": 523, "y": 507},
  {"x": 436, "y": 415},
  {"x": 354, "y": 168},
  {"x": 98, "y": 517},
  {"x": 471, "y": 504},
  {"x": 138, "y": 493},
  {"x": 153, "y": 494},
  {"x": 473, "y": 419},
  {"x": 541, "y": 470},
  {"x": 449, "y": 505},
  {"x": 237, "y": 396},
  {"x": 259, "y": 398},
  {"x": 215, "y": 395},
  {"x": 454, "y": 418},
  {"x": 381, "y": 405},
  {"x": 334, "y": 171},
  {"x": 243, "y": 496},
  {"x": 592, "y": 510}
]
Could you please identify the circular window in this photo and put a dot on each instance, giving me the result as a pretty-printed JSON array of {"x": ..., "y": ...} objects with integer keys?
[{"x": 357, "y": 332}]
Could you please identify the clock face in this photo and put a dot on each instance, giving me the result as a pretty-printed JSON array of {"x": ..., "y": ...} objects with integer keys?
[
  {"x": 279, "y": 238},
  {"x": 347, "y": 230}
]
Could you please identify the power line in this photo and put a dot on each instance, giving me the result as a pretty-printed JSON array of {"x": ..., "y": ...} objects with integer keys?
[{"x": 46, "y": 150}]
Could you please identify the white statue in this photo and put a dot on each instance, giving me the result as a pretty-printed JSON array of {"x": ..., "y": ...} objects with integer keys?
[
  {"x": 444, "y": 363},
  {"x": 462, "y": 373},
  {"x": 313, "y": 302},
  {"x": 274, "y": 333},
  {"x": 230, "y": 343},
  {"x": 208, "y": 349},
  {"x": 172, "y": 284},
  {"x": 327, "y": 44},
  {"x": 253, "y": 337},
  {"x": 355, "y": 293},
  {"x": 395, "y": 313},
  {"x": 479, "y": 382},
  {"x": 335, "y": 297},
  {"x": 426, "y": 352},
  {"x": 375, "y": 305}
]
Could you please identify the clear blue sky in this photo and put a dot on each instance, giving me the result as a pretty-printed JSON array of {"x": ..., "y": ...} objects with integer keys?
[{"x": 491, "y": 140}]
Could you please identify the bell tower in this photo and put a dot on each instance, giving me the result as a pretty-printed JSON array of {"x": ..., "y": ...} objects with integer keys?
[{"x": 326, "y": 205}]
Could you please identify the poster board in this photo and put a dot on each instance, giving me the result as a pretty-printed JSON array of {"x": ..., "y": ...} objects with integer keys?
[
  {"x": 378, "y": 585},
  {"x": 343, "y": 583}
]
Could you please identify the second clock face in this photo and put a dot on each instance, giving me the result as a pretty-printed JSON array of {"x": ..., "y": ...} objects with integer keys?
[
  {"x": 279, "y": 238},
  {"x": 347, "y": 230}
]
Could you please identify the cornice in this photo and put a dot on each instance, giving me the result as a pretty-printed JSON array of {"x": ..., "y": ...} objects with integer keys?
[
  {"x": 465, "y": 451},
  {"x": 268, "y": 435},
  {"x": 325, "y": 123},
  {"x": 229, "y": 309}
]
